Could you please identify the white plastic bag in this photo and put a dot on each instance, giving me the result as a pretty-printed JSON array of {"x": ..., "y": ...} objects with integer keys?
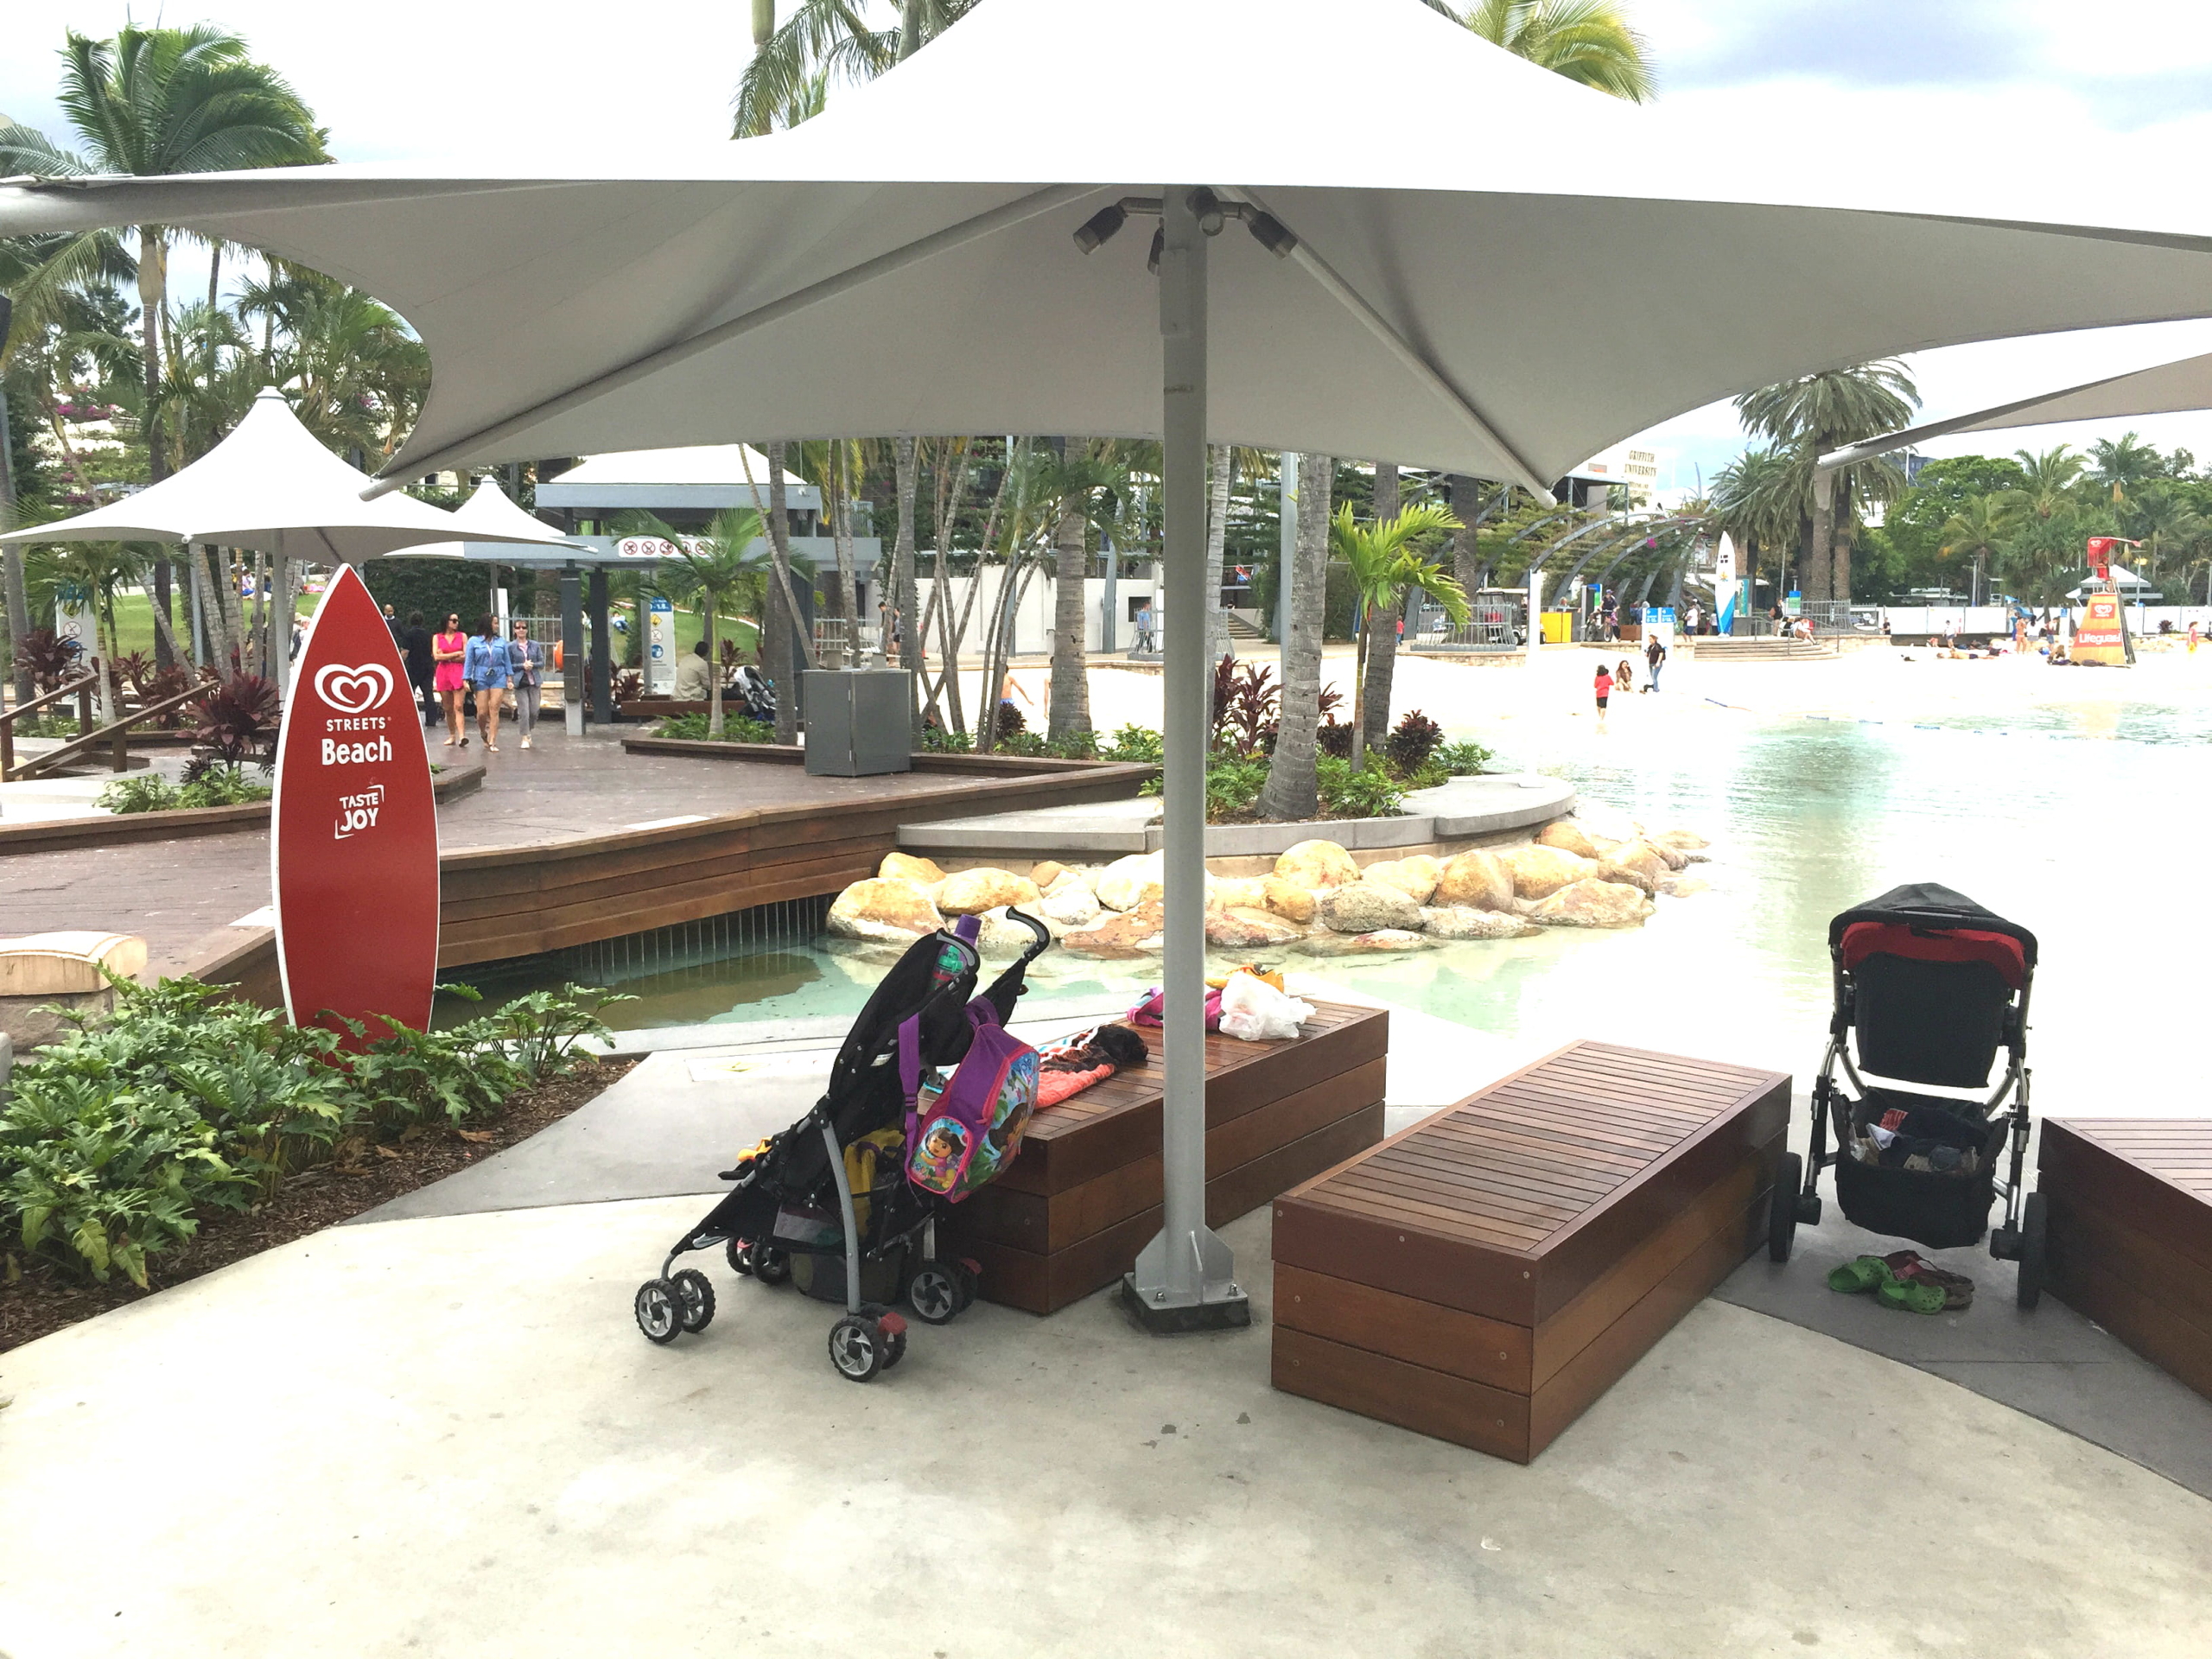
[{"x": 1254, "y": 1010}]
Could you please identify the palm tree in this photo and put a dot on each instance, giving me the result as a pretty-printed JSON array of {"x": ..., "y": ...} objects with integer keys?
[
  {"x": 2170, "y": 525},
  {"x": 1815, "y": 413},
  {"x": 159, "y": 101},
  {"x": 2117, "y": 463},
  {"x": 1292, "y": 791},
  {"x": 1980, "y": 531},
  {"x": 1761, "y": 499},
  {"x": 2051, "y": 476},
  {"x": 1085, "y": 488},
  {"x": 1589, "y": 41},
  {"x": 718, "y": 568},
  {"x": 827, "y": 40},
  {"x": 1388, "y": 568}
]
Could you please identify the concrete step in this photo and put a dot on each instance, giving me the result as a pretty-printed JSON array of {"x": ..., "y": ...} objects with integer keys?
[{"x": 1716, "y": 648}]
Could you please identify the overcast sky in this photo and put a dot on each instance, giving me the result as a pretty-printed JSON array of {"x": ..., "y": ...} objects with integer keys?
[{"x": 2117, "y": 90}]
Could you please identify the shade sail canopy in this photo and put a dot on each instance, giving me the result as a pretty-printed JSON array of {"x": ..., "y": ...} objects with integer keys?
[
  {"x": 489, "y": 520},
  {"x": 2163, "y": 389},
  {"x": 902, "y": 263},
  {"x": 271, "y": 479}
]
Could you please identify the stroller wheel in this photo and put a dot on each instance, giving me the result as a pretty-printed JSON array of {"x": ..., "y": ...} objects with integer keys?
[
  {"x": 937, "y": 1294},
  {"x": 697, "y": 1295},
  {"x": 1781, "y": 1207},
  {"x": 971, "y": 1283},
  {"x": 771, "y": 1266},
  {"x": 740, "y": 1256},
  {"x": 895, "y": 1345},
  {"x": 658, "y": 1306},
  {"x": 856, "y": 1348},
  {"x": 2034, "y": 1224}
]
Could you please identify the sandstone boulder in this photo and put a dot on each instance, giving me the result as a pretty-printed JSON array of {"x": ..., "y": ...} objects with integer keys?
[
  {"x": 1682, "y": 841},
  {"x": 1365, "y": 907},
  {"x": 1458, "y": 922},
  {"x": 1538, "y": 872},
  {"x": 886, "y": 911},
  {"x": 1569, "y": 837},
  {"x": 1415, "y": 877},
  {"x": 1315, "y": 865},
  {"x": 905, "y": 866},
  {"x": 1288, "y": 900},
  {"x": 1045, "y": 871},
  {"x": 1002, "y": 939},
  {"x": 1070, "y": 904},
  {"x": 1476, "y": 880},
  {"x": 1244, "y": 928},
  {"x": 1592, "y": 903},
  {"x": 1239, "y": 893},
  {"x": 1135, "y": 933},
  {"x": 1683, "y": 886},
  {"x": 1636, "y": 863},
  {"x": 1382, "y": 942},
  {"x": 1128, "y": 882},
  {"x": 1067, "y": 879},
  {"x": 970, "y": 893}
]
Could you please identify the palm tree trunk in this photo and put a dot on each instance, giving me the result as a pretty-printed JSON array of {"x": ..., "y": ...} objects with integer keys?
[
  {"x": 1841, "y": 588},
  {"x": 713, "y": 666},
  {"x": 1820, "y": 559},
  {"x": 843, "y": 597},
  {"x": 1466, "y": 547},
  {"x": 1382, "y": 669},
  {"x": 904, "y": 595},
  {"x": 153, "y": 283},
  {"x": 783, "y": 613},
  {"x": 1290, "y": 793},
  {"x": 12, "y": 558},
  {"x": 1070, "y": 709},
  {"x": 1223, "y": 466}
]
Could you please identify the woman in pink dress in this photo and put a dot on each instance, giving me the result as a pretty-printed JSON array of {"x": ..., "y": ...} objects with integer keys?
[{"x": 448, "y": 650}]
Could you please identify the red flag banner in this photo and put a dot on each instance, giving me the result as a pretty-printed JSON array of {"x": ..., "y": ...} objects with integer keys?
[{"x": 354, "y": 858}]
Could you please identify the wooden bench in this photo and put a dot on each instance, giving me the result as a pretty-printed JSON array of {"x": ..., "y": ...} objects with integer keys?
[
  {"x": 1487, "y": 1273},
  {"x": 2129, "y": 1241},
  {"x": 1084, "y": 1195}
]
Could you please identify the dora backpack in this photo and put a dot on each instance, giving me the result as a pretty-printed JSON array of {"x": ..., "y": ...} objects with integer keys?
[{"x": 963, "y": 1129}]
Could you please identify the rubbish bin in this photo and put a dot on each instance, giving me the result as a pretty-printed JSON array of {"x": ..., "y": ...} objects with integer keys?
[{"x": 857, "y": 720}]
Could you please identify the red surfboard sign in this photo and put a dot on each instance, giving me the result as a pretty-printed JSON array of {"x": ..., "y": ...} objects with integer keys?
[{"x": 353, "y": 861}]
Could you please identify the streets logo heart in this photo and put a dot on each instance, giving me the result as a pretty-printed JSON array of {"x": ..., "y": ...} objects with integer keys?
[{"x": 352, "y": 690}]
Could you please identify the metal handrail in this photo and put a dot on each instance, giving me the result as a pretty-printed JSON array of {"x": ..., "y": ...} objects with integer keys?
[
  {"x": 116, "y": 735},
  {"x": 82, "y": 685}
]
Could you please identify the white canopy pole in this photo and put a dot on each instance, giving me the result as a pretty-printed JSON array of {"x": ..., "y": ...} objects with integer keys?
[{"x": 1185, "y": 1278}]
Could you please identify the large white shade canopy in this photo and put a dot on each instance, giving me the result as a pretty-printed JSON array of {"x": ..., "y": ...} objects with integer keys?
[
  {"x": 2163, "y": 389},
  {"x": 903, "y": 263},
  {"x": 271, "y": 486}
]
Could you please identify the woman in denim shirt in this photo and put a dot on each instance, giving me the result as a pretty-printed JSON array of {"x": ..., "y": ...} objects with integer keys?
[
  {"x": 526, "y": 660},
  {"x": 490, "y": 671}
]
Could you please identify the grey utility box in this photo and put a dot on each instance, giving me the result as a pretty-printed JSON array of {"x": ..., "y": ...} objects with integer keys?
[{"x": 857, "y": 720}]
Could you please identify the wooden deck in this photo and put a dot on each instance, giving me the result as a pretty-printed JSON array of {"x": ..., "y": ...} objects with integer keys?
[
  {"x": 1487, "y": 1273},
  {"x": 1085, "y": 1196},
  {"x": 2130, "y": 1241}
]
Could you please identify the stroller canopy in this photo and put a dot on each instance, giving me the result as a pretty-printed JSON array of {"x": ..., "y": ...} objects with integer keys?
[{"x": 1929, "y": 921}]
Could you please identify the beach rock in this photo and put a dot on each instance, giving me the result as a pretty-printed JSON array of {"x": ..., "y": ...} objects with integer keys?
[
  {"x": 1288, "y": 900},
  {"x": 1682, "y": 841},
  {"x": 905, "y": 866},
  {"x": 1131, "y": 933},
  {"x": 1458, "y": 922},
  {"x": 1415, "y": 877},
  {"x": 1128, "y": 882},
  {"x": 1239, "y": 893},
  {"x": 1382, "y": 942},
  {"x": 1636, "y": 863},
  {"x": 1590, "y": 903},
  {"x": 1683, "y": 886},
  {"x": 1071, "y": 905},
  {"x": 970, "y": 893},
  {"x": 1067, "y": 881},
  {"x": 1045, "y": 871},
  {"x": 1317, "y": 864},
  {"x": 888, "y": 911},
  {"x": 1538, "y": 872},
  {"x": 1242, "y": 928},
  {"x": 1365, "y": 906},
  {"x": 1569, "y": 837},
  {"x": 1477, "y": 880}
]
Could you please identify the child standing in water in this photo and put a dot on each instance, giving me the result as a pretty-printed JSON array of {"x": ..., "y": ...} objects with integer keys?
[{"x": 1605, "y": 688}]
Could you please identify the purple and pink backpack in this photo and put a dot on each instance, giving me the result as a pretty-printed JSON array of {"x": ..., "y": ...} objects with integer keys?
[{"x": 964, "y": 1129}]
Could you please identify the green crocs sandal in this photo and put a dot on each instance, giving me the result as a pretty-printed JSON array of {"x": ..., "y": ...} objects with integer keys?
[
  {"x": 1857, "y": 1278},
  {"x": 1911, "y": 1297}
]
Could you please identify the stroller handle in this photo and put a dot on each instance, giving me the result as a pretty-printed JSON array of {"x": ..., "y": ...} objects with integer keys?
[{"x": 1041, "y": 935}]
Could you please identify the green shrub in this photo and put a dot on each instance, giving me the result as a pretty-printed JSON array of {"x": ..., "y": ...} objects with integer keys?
[
  {"x": 1135, "y": 745},
  {"x": 938, "y": 740},
  {"x": 1460, "y": 760},
  {"x": 113, "y": 1140},
  {"x": 1368, "y": 791},
  {"x": 736, "y": 729},
  {"x": 150, "y": 792}
]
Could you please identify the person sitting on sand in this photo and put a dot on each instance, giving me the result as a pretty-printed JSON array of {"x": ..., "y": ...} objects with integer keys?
[{"x": 1624, "y": 675}]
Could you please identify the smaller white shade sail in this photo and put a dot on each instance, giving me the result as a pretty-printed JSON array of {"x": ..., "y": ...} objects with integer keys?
[
  {"x": 489, "y": 516},
  {"x": 272, "y": 479},
  {"x": 703, "y": 463}
]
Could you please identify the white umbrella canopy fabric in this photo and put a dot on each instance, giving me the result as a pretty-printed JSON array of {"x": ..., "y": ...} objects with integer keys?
[
  {"x": 1437, "y": 282},
  {"x": 2179, "y": 387},
  {"x": 1463, "y": 297},
  {"x": 488, "y": 515},
  {"x": 271, "y": 487}
]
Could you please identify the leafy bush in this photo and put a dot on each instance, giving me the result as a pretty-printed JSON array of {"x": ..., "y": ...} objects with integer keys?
[
  {"x": 1369, "y": 792},
  {"x": 215, "y": 787},
  {"x": 938, "y": 740},
  {"x": 1412, "y": 741},
  {"x": 1135, "y": 745},
  {"x": 736, "y": 729},
  {"x": 1245, "y": 702},
  {"x": 1335, "y": 741},
  {"x": 49, "y": 657},
  {"x": 1460, "y": 760},
  {"x": 1010, "y": 718},
  {"x": 116, "y": 1139},
  {"x": 236, "y": 721}
]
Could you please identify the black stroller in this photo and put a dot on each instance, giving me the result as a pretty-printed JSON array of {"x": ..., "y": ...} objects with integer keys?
[
  {"x": 1933, "y": 985},
  {"x": 755, "y": 692},
  {"x": 794, "y": 1198}
]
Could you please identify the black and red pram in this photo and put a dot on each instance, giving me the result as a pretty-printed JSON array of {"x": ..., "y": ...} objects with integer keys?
[{"x": 1928, "y": 987}]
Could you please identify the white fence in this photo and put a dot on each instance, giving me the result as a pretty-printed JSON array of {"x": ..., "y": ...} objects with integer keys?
[{"x": 1032, "y": 622}]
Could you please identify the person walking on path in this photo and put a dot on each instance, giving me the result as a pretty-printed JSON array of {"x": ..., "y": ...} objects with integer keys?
[
  {"x": 1605, "y": 688},
  {"x": 2192, "y": 638},
  {"x": 422, "y": 671},
  {"x": 1655, "y": 653},
  {"x": 1145, "y": 644},
  {"x": 526, "y": 660},
  {"x": 399, "y": 629},
  {"x": 449, "y": 651},
  {"x": 490, "y": 673}
]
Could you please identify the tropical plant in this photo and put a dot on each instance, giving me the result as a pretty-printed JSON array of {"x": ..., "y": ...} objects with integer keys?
[
  {"x": 1462, "y": 758},
  {"x": 726, "y": 568},
  {"x": 1978, "y": 532},
  {"x": 1387, "y": 567},
  {"x": 2047, "y": 479},
  {"x": 826, "y": 40},
  {"x": 1413, "y": 740},
  {"x": 49, "y": 658},
  {"x": 1085, "y": 488},
  {"x": 1245, "y": 702},
  {"x": 1814, "y": 414},
  {"x": 1292, "y": 790},
  {"x": 1762, "y": 499},
  {"x": 1588, "y": 41},
  {"x": 735, "y": 729},
  {"x": 2117, "y": 465},
  {"x": 235, "y": 721}
]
